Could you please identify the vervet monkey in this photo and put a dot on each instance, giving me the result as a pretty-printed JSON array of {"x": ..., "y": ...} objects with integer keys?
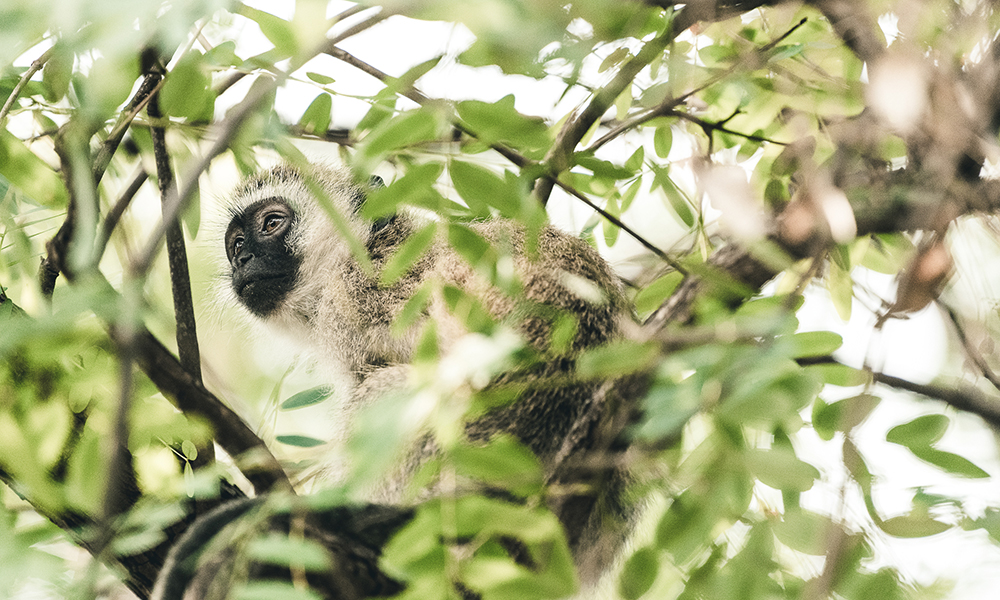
[{"x": 290, "y": 268}]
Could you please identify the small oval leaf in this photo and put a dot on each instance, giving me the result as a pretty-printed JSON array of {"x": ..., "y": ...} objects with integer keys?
[{"x": 307, "y": 397}]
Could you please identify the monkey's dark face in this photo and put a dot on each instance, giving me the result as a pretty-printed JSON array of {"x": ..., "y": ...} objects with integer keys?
[{"x": 264, "y": 267}]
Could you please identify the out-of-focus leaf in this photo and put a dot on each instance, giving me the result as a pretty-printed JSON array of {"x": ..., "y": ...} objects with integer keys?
[
  {"x": 187, "y": 89},
  {"x": 504, "y": 462},
  {"x": 843, "y": 415},
  {"x": 639, "y": 573},
  {"x": 278, "y": 31},
  {"x": 813, "y": 343},
  {"x": 781, "y": 469},
  {"x": 615, "y": 359},
  {"x": 841, "y": 288},
  {"x": 805, "y": 531},
  {"x": 307, "y": 397},
  {"x": 920, "y": 434},
  {"x": 27, "y": 172},
  {"x": 663, "y": 140},
  {"x": 913, "y": 526},
  {"x": 408, "y": 254},
  {"x": 842, "y": 375},
  {"x": 273, "y": 590},
  {"x": 284, "y": 551},
  {"x": 301, "y": 441}
]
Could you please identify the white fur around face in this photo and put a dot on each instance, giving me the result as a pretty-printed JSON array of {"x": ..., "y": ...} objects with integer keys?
[{"x": 324, "y": 254}]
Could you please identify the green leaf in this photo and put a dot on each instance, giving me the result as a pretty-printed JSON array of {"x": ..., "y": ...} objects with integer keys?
[
  {"x": 187, "y": 90},
  {"x": 663, "y": 139},
  {"x": 278, "y": 31},
  {"x": 300, "y": 441},
  {"x": 619, "y": 55},
  {"x": 24, "y": 170},
  {"x": 404, "y": 130},
  {"x": 653, "y": 295},
  {"x": 920, "y": 434},
  {"x": 316, "y": 118},
  {"x": 56, "y": 73},
  {"x": 482, "y": 188},
  {"x": 504, "y": 462},
  {"x": 841, "y": 288},
  {"x": 500, "y": 122},
  {"x": 319, "y": 78},
  {"x": 307, "y": 397},
  {"x": 781, "y": 469},
  {"x": 843, "y": 415},
  {"x": 284, "y": 551},
  {"x": 922, "y": 431},
  {"x": 813, "y": 343},
  {"x": 616, "y": 359},
  {"x": 786, "y": 51},
  {"x": 273, "y": 590},
  {"x": 805, "y": 531},
  {"x": 639, "y": 573},
  {"x": 953, "y": 463},
  {"x": 842, "y": 375},
  {"x": 416, "y": 188},
  {"x": 913, "y": 526},
  {"x": 677, "y": 199},
  {"x": 408, "y": 254}
]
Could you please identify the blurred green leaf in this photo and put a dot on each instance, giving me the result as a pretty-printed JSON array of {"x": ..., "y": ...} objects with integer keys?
[
  {"x": 408, "y": 254},
  {"x": 278, "y": 31},
  {"x": 781, "y": 469},
  {"x": 300, "y": 441},
  {"x": 285, "y": 551},
  {"x": 639, "y": 573},
  {"x": 307, "y": 397},
  {"x": 273, "y": 590}
]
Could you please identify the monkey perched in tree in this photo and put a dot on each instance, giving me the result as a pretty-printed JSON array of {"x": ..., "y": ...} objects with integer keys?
[{"x": 290, "y": 267}]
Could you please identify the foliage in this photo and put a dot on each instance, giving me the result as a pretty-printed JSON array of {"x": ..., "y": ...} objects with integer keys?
[{"x": 713, "y": 147}]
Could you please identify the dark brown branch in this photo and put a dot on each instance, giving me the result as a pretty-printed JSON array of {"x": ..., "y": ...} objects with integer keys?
[
  {"x": 963, "y": 397},
  {"x": 150, "y": 84},
  {"x": 187, "y": 338},
  {"x": 250, "y": 453},
  {"x": 180, "y": 280}
]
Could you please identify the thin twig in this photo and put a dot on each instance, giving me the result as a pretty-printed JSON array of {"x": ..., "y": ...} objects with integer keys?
[
  {"x": 36, "y": 66},
  {"x": 117, "y": 210},
  {"x": 974, "y": 355},
  {"x": 668, "y": 106}
]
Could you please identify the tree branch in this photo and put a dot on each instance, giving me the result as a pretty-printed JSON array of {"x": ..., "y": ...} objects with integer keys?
[
  {"x": 36, "y": 66},
  {"x": 963, "y": 397}
]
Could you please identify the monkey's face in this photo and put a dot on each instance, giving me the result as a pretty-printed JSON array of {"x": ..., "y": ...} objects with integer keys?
[{"x": 264, "y": 266}]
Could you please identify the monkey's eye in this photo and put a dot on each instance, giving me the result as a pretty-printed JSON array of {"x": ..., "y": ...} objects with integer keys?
[
  {"x": 272, "y": 222},
  {"x": 237, "y": 245}
]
